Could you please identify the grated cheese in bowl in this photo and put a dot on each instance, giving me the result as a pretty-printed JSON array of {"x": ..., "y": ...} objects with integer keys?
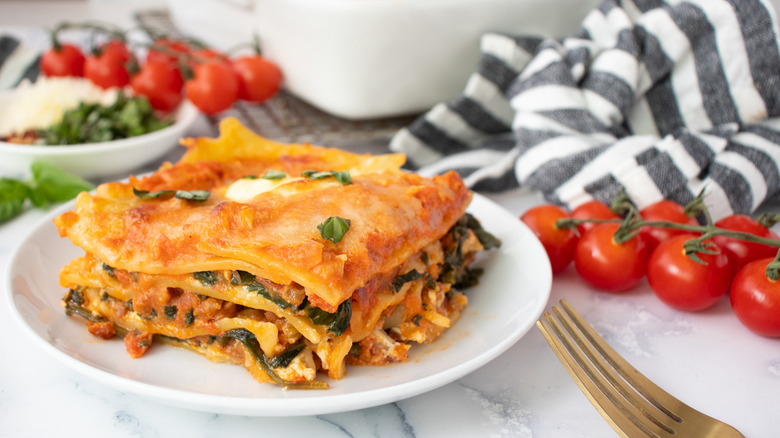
[{"x": 40, "y": 104}]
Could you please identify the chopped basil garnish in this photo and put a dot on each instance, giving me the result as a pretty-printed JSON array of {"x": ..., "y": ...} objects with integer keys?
[
  {"x": 193, "y": 195},
  {"x": 337, "y": 322},
  {"x": 342, "y": 177},
  {"x": 274, "y": 174},
  {"x": 206, "y": 278},
  {"x": 334, "y": 228},
  {"x": 189, "y": 318},
  {"x": 189, "y": 195}
]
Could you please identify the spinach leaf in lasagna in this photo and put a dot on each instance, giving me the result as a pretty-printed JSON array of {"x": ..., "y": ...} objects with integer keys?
[
  {"x": 336, "y": 322},
  {"x": 206, "y": 278},
  {"x": 250, "y": 281},
  {"x": 283, "y": 359},
  {"x": 401, "y": 280}
]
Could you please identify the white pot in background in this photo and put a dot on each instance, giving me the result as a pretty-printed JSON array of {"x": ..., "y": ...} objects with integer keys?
[{"x": 363, "y": 59}]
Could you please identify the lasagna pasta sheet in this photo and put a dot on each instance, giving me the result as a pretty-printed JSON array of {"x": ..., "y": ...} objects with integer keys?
[{"x": 286, "y": 259}]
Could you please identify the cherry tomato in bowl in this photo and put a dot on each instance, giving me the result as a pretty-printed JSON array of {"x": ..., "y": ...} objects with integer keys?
[
  {"x": 608, "y": 265},
  {"x": 755, "y": 298},
  {"x": 683, "y": 283},
  {"x": 559, "y": 243}
]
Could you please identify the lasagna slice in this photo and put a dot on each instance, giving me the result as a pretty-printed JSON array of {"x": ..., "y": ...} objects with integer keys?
[{"x": 289, "y": 260}]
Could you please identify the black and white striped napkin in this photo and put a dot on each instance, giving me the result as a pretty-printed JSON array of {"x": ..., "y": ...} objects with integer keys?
[{"x": 660, "y": 98}]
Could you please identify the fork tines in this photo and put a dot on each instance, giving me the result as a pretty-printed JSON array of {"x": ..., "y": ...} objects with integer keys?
[{"x": 632, "y": 404}]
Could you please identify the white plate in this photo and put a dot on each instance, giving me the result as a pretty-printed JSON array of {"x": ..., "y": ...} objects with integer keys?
[
  {"x": 511, "y": 295},
  {"x": 113, "y": 159}
]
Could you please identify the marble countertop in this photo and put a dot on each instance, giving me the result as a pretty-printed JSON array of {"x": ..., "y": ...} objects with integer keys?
[{"x": 707, "y": 359}]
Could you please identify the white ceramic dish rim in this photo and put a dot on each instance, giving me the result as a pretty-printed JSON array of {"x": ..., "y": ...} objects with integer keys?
[{"x": 297, "y": 403}]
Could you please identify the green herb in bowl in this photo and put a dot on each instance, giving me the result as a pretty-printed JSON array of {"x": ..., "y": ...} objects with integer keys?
[{"x": 94, "y": 123}]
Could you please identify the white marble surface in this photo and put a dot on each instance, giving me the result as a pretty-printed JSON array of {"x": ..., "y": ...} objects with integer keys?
[{"x": 707, "y": 359}]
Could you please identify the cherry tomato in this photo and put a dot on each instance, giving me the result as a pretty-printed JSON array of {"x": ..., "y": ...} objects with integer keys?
[
  {"x": 259, "y": 78},
  {"x": 592, "y": 210},
  {"x": 202, "y": 55},
  {"x": 167, "y": 50},
  {"x": 741, "y": 252},
  {"x": 116, "y": 48},
  {"x": 756, "y": 299},
  {"x": 608, "y": 265},
  {"x": 107, "y": 68},
  {"x": 664, "y": 210},
  {"x": 214, "y": 87},
  {"x": 681, "y": 282},
  {"x": 65, "y": 61},
  {"x": 161, "y": 83},
  {"x": 558, "y": 242}
]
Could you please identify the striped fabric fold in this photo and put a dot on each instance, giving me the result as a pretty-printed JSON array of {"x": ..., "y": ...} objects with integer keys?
[{"x": 661, "y": 99}]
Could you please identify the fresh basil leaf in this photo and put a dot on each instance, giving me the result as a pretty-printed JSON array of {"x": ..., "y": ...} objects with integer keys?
[
  {"x": 274, "y": 174},
  {"x": 143, "y": 194},
  {"x": 337, "y": 322},
  {"x": 13, "y": 193},
  {"x": 249, "y": 177},
  {"x": 189, "y": 195},
  {"x": 193, "y": 195},
  {"x": 52, "y": 184},
  {"x": 334, "y": 228},
  {"x": 316, "y": 175},
  {"x": 342, "y": 177}
]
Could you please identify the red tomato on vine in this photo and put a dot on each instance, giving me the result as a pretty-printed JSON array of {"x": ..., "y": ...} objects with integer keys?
[
  {"x": 161, "y": 83},
  {"x": 213, "y": 88},
  {"x": 683, "y": 283},
  {"x": 592, "y": 210},
  {"x": 107, "y": 68},
  {"x": 559, "y": 243},
  {"x": 259, "y": 78},
  {"x": 741, "y": 252},
  {"x": 608, "y": 265},
  {"x": 65, "y": 60},
  {"x": 664, "y": 210},
  {"x": 755, "y": 298}
]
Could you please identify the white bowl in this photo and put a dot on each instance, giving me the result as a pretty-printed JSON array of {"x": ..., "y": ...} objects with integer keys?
[{"x": 100, "y": 160}]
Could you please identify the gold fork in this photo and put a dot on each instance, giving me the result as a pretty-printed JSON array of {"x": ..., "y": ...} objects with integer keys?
[{"x": 632, "y": 404}]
